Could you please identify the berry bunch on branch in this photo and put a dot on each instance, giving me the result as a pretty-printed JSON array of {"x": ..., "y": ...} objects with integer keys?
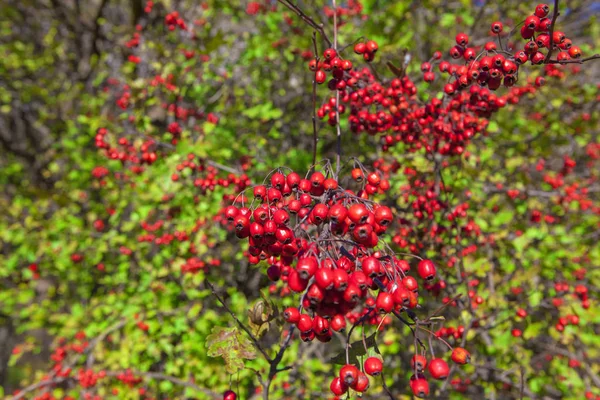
[{"x": 325, "y": 243}]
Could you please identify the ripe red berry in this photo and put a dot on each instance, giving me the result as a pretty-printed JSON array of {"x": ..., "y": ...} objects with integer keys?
[
  {"x": 324, "y": 278},
  {"x": 338, "y": 387},
  {"x": 338, "y": 323},
  {"x": 532, "y": 22},
  {"x": 373, "y": 366},
  {"x": 320, "y": 76},
  {"x": 357, "y": 175},
  {"x": 426, "y": 269},
  {"x": 358, "y": 213},
  {"x": 304, "y": 323},
  {"x": 229, "y": 395},
  {"x": 372, "y": 46},
  {"x": 361, "y": 384},
  {"x": 329, "y": 54},
  {"x": 497, "y": 27},
  {"x": 461, "y": 356},
  {"x": 307, "y": 267},
  {"x": 574, "y": 52},
  {"x": 462, "y": 39},
  {"x": 349, "y": 374},
  {"x": 558, "y": 37},
  {"x": 278, "y": 180},
  {"x": 438, "y": 368},
  {"x": 418, "y": 363},
  {"x": 541, "y": 10},
  {"x": 419, "y": 386},
  {"x": 384, "y": 303},
  {"x": 360, "y": 48}
]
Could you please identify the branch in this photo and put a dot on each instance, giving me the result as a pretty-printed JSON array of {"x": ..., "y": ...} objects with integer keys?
[
  {"x": 307, "y": 19},
  {"x": 551, "y": 44},
  {"x": 575, "y": 61},
  {"x": 38, "y": 385},
  {"x": 337, "y": 100},
  {"x": 314, "y": 102}
]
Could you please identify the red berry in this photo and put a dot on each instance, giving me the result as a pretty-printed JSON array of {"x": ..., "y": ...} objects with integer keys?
[
  {"x": 438, "y": 368},
  {"x": 338, "y": 387},
  {"x": 462, "y": 39},
  {"x": 349, "y": 374},
  {"x": 426, "y": 269},
  {"x": 360, "y": 48},
  {"x": 372, "y": 46},
  {"x": 229, "y": 395},
  {"x": 497, "y": 27},
  {"x": 461, "y": 356},
  {"x": 418, "y": 363},
  {"x": 373, "y": 366},
  {"x": 541, "y": 10}
]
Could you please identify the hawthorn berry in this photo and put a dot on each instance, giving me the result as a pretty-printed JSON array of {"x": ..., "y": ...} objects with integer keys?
[
  {"x": 439, "y": 369},
  {"x": 373, "y": 366},
  {"x": 460, "y": 356},
  {"x": 229, "y": 395}
]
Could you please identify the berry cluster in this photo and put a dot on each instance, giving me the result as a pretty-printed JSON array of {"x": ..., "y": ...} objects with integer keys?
[
  {"x": 173, "y": 21},
  {"x": 366, "y": 49},
  {"x": 492, "y": 64},
  {"x": 323, "y": 241},
  {"x": 331, "y": 62},
  {"x": 392, "y": 109}
]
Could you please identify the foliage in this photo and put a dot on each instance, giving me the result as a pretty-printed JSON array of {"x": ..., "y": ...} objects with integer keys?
[{"x": 108, "y": 259}]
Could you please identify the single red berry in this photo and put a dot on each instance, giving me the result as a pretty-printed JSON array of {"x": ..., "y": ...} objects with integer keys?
[
  {"x": 349, "y": 374},
  {"x": 541, "y": 10},
  {"x": 438, "y": 368},
  {"x": 320, "y": 76},
  {"x": 229, "y": 395},
  {"x": 461, "y": 356},
  {"x": 418, "y": 363},
  {"x": 574, "y": 52},
  {"x": 497, "y": 27},
  {"x": 338, "y": 323},
  {"x": 304, "y": 323},
  {"x": 338, "y": 387},
  {"x": 532, "y": 22},
  {"x": 373, "y": 366},
  {"x": 329, "y": 54},
  {"x": 357, "y": 175},
  {"x": 372, "y": 46},
  {"x": 361, "y": 384},
  {"x": 384, "y": 303},
  {"x": 558, "y": 37},
  {"x": 462, "y": 39},
  {"x": 358, "y": 213},
  {"x": 360, "y": 48},
  {"x": 419, "y": 386},
  {"x": 426, "y": 269}
]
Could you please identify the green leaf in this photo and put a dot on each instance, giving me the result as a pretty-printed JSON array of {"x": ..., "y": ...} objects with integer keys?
[
  {"x": 232, "y": 345},
  {"x": 357, "y": 349}
]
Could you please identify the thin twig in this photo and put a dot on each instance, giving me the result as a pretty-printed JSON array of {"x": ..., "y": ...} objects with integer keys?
[
  {"x": 574, "y": 61},
  {"x": 314, "y": 99},
  {"x": 307, "y": 19}
]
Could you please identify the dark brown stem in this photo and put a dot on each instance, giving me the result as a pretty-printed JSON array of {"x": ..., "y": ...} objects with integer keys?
[
  {"x": 574, "y": 61},
  {"x": 314, "y": 102},
  {"x": 337, "y": 101},
  {"x": 551, "y": 32}
]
